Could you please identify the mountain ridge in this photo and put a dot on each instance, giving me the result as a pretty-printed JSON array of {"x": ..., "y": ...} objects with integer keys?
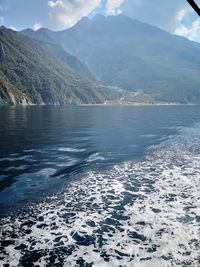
[{"x": 134, "y": 56}]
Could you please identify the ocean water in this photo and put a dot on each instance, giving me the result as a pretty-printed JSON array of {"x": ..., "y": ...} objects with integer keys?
[{"x": 100, "y": 186}]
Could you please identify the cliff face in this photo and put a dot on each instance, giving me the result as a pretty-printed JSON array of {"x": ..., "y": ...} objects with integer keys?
[
  {"x": 33, "y": 72},
  {"x": 9, "y": 95}
]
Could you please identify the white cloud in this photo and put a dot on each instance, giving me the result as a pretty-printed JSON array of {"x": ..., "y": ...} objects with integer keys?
[
  {"x": 192, "y": 29},
  {"x": 58, "y": 3},
  {"x": 192, "y": 32},
  {"x": 181, "y": 14},
  {"x": 37, "y": 26},
  {"x": 174, "y": 16},
  {"x": 113, "y": 6},
  {"x": 66, "y": 13}
]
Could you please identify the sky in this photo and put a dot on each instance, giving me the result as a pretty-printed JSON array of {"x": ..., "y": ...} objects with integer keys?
[{"x": 175, "y": 16}]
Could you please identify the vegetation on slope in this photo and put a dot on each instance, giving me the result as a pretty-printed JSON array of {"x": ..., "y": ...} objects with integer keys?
[
  {"x": 35, "y": 72},
  {"x": 134, "y": 56}
]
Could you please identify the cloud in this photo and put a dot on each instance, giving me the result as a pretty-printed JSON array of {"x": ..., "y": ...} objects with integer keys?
[
  {"x": 162, "y": 14},
  {"x": 174, "y": 16},
  {"x": 56, "y": 4},
  {"x": 181, "y": 14},
  {"x": 191, "y": 33},
  {"x": 113, "y": 6},
  {"x": 66, "y": 13},
  {"x": 188, "y": 25},
  {"x": 37, "y": 26}
]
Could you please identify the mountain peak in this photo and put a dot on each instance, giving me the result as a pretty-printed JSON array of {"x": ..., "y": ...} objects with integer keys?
[
  {"x": 2, "y": 27},
  {"x": 84, "y": 21},
  {"x": 124, "y": 52},
  {"x": 99, "y": 16}
]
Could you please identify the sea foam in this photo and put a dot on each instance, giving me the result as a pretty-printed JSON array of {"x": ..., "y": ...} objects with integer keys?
[{"x": 136, "y": 214}]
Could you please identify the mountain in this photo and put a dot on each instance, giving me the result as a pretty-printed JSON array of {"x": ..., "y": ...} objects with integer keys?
[
  {"x": 134, "y": 56},
  {"x": 35, "y": 72}
]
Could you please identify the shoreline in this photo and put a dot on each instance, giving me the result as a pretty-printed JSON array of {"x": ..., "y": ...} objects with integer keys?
[
  {"x": 140, "y": 104},
  {"x": 104, "y": 105}
]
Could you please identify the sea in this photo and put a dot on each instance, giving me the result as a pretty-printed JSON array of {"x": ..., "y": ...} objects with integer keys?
[{"x": 102, "y": 186}]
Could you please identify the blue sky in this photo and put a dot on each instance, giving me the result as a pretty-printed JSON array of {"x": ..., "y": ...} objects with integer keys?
[{"x": 175, "y": 16}]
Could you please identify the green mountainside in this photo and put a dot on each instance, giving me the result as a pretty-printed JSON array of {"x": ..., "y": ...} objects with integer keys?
[
  {"x": 40, "y": 73},
  {"x": 134, "y": 56}
]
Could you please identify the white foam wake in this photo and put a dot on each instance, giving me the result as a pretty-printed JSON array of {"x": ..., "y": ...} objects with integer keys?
[{"x": 136, "y": 214}]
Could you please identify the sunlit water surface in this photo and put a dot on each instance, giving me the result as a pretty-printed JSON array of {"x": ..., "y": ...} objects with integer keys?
[{"x": 100, "y": 186}]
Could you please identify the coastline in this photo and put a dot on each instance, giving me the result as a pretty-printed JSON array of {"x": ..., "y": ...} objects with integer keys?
[
  {"x": 141, "y": 104},
  {"x": 102, "y": 104}
]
